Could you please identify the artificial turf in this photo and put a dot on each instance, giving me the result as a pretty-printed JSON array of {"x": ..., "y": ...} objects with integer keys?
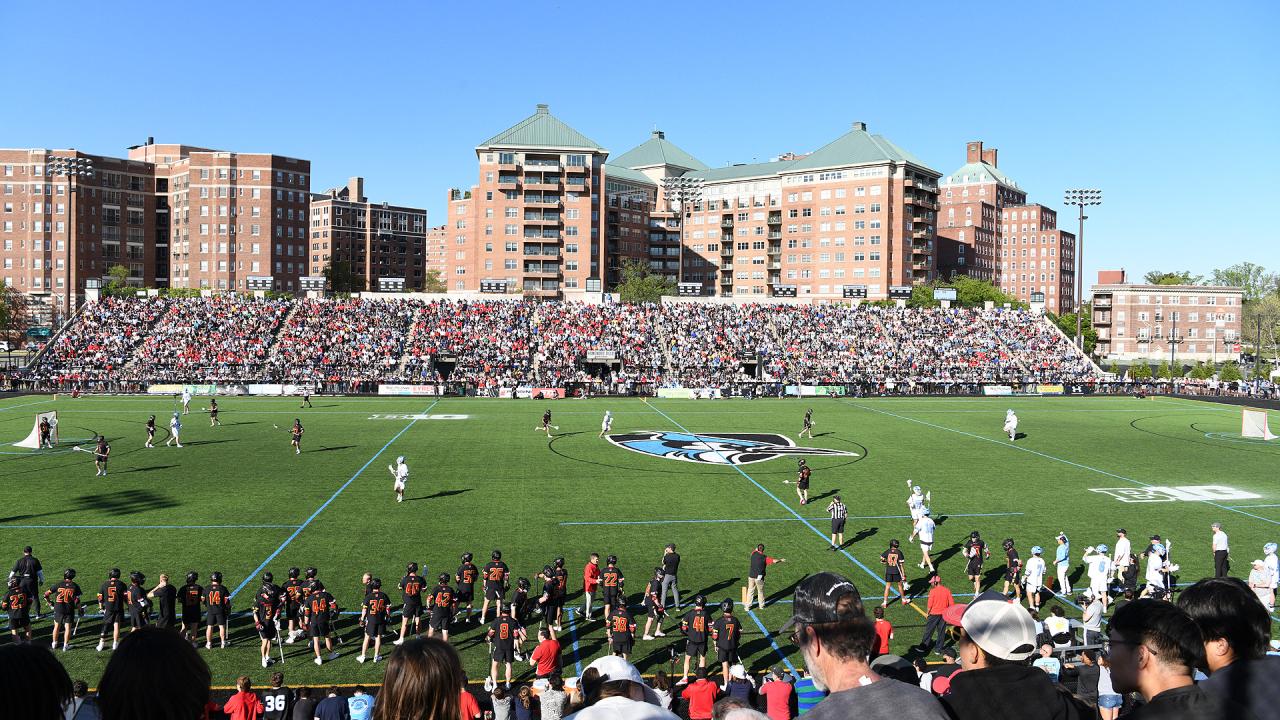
[{"x": 236, "y": 497}]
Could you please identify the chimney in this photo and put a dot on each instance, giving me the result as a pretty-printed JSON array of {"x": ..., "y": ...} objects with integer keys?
[
  {"x": 974, "y": 154},
  {"x": 860, "y": 126},
  {"x": 659, "y": 134},
  {"x": 989, "y": 157},
  {"x": 151, "y": 140},
  {"x": 543, "y": 109},
  {"x": 1111, "y": 277},
  {"x": 355, "y": 189}
]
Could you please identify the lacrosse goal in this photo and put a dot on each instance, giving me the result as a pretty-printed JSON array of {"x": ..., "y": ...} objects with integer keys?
[
  {"x": 1254, "y": 425},
  {"x": 33, "y": 440}
]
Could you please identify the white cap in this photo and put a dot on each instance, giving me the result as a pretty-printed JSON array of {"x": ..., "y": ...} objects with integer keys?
[
  {"x": 612, "y": 667},
  {"x": 737, "y": 671}
]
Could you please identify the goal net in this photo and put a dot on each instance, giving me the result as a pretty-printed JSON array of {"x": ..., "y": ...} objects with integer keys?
[
  {"x": 1254, "y": 425},
  {"x": 33, "y": 440}
]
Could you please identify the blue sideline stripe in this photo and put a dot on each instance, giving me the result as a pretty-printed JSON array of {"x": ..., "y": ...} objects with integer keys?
[
  {"x": 573, "y": 633},
  {"x": 786, "y": 663},
  {"x": 1050, "y": 457},
  {"x": 146, "y": 527},
  {"x": 249, "y": 578},
  {"x": 761, "y": 520},
  {"x": 762, "y": 488}
]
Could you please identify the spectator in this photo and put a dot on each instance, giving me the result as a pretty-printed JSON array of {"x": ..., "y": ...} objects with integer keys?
[
  {"x": 807, "y": 693},
  {"x": 1092, "y": 619},
  {"x": 662, "y": 688},
  {"x": 941, "y": 684},
  {"x": 884, "y": 633},
  {"x": 155, "y": 673},
  {"x": 360, "y": 704},
  {"x": 1087, "y": 674},
  {"x": 935, "y": 630},
  {"x": 469, "y": 707},
  {"x": 423, "y": 680},
  {"x": 777, "y": 696},
  {"x": 553, "y": 700},
  {"x": 1155, "y": 647},
  {"x": 500, "y": 700},
  {"x": 1109, "y": 701},
  {"x": 997, "y": 637},
  {"x": 33, "y": 683},
  {"x": 701, "y": 694},
  {"x": 1048, "y": 663},
  {"x": 546, "y": 656},
  {"x": 82, "y": 706},
  {"x": 740, "y": 685},
  {"x": 304, "y": 708},
  {"x": 523, "y": 704},
  {"x": 726, "y": 705},
  {"x": 244, "y": 705},
  {"x": 836, "y": 638},
  {"x": 612, "y": 689},
  {"x": 1235, "y": 629},
  {"x": 333, "y": 707}
]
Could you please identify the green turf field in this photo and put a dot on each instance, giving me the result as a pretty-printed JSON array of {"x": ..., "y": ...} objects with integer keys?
[{"x": 237, "y": 497}]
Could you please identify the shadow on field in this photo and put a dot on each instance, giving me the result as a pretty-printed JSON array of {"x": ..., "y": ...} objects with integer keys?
[
  {"x": 824, "y": 495},
  {"x": 1019, "y": 436},
  {"x": 785, "y": 593},
  {"x": 708, "y": 592},
  {"x": 335, "y": 447},
  {"x": 441, "y": 494},
  {"x": 206, "y": 442},
  {"x": 861, "y": 535},
  {"x": 945, "y": 554},
  {"x": 147, "y": 469},
  {"x": 125, "y": 502}
]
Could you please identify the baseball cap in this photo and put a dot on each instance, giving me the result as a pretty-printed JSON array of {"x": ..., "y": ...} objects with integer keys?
[
  {"x": 613, "y": 668},
  {"x": 817, "y": 600},
  {"x": 1000, "y": 627}
]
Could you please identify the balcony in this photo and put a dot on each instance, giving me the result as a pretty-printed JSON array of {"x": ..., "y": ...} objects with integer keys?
[
  {"x": 923, "y": 201},
  {"x": 580, "y": 188},
  {"x": 920, "y": 265},
  {"x": 508, "y": 184},
  {"x": 775, "y": 234},
  {"x": 508, "y": 167},
  {"x": 775, "y": 266},
  {"x": 726, "y": 279},
  {"x": 727, "y": 252},
  {"x": 536, "y": 183},
  {"x": 544, "y": 220},
  {"x": 542, "y": 200},
  {"x": 921, "y": 234},
  {"x": 544, "y": 271},
  {"x": 549, "y": 165},
  {"x": 577, "y": 169},
  {"x": 542, "y": 293},
  {"x": 921, "y": 246},
  {"x": 775, "y": 219},
  {"x": 1099, "y": 302},
  {"x": 726, "y": 223},
  {"x": 727, "y": 266},
  {"x": 921, "y": 220}
]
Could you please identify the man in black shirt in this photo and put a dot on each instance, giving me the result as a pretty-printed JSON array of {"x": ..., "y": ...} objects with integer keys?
[
  {"x": 101, "y": 452},
  {"x": 562, "y": 575},
  {"x": 266, "y": 606},
  {"x": 29, "y": 573},
  {"x": 318, "y": 610},
  {"x": 411, "y": 585},
  {"x": 495, "y": 584},
  {"x": 611, "y": 582},
  {"x": 621, "y": 630},
  {"x": 550, "y": 591},
  {"x": 190, "y": 596},
  {"x": 277, "y": 700},
  {"x": 670, "y": 568},
  {"x": 293, "y": 592},
  {"x": 111, "y": 599},
  {"x": 151, "y": 432},
  {"x": 139, "y": 603},
  {"x": 653, "y": 606},
  {"x": 695, "y": 626},
  {"x": 65, "y": 599},
  {"x": 166, "y": 599}
]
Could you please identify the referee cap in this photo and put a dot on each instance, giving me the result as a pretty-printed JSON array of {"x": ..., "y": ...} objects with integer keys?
[{"x": 825, "y": 598}]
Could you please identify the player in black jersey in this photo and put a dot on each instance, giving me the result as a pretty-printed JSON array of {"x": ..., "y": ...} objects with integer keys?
[
  {"x": 611, "y": 582},
  {"x": 190, "y": 597},
  {"x": 443, "y": 602},
  {"x": 466, "y": 578},
  {"x": 318, "y": 610},
  {"x": 695, "y": 626},
  {"x": 653, "y": 605},
  {"x": 496, "y": 575},
  {"x": 504, "y": 637},
  {"x": 277, "y": 700},
  {"x": 374, "y": 614},
  {"x": 802, "y": 481},
  {"x": 520, "y": 601},
  {"x": 293, "y": 591},
  {"x": 563, "y": 576},
  {"x": 411, "y": 585},
  {"x": 65, "y": 599},
  {"x": 100, "y": 453},
  {"x": 808, "y": 424},
  {"x": 139, "y": 602},
  {"x": 310, "y": 581},
  {"x": 975, "y": 549},
  {"x": 621, "y": 630},
  {"x": 213, "y": 412},
  {"x": 111, "y": 600},
  {"x": 218, "y": 601},
  {"x": 17, "y": 603},
  {"x": 727, "y": 632},
  {"x": 266, "y": 607},
  {"x": 296, "y": 434},
  {"x": 46, "y": 433},
  {"x": 546, "y": 425},
  {"x": 550, "y": 592},
  {"x": 151, "y": 431}
]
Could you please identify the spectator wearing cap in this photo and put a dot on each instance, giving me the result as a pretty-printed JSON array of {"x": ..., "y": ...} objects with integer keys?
[
  {"x": 940, "y": 598},
  {"x": 1121, "y": 556},
  {"x": 701, "y": 695},
  {"x": 836, "y": 638},
  {"x": 941, "y": 682},
  {"x": 613, "y": 689},
  {"x": 777, "y": 695},
  {"x": 1235, "y": 629},
  {"x": 997, "y": 637},
  {"x": 1155, "y": 647},
  {"x": 1221, "y": 549}
]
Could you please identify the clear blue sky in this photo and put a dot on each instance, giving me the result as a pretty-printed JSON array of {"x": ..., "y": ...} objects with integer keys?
[{"x": 1173, "y": 109}]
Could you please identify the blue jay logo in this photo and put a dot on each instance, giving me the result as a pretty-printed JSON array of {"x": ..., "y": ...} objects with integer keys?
[{"x": 717, "y": 448}]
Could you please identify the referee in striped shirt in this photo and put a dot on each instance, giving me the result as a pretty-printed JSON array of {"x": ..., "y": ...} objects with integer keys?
[{"x": 838, "y": 514}]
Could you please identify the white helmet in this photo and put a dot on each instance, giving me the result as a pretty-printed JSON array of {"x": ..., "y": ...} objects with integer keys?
[
  {"x": 400, "y": 460},
  {"x": 1269, "y": 548},
  {"x": 916, "y": 489}
]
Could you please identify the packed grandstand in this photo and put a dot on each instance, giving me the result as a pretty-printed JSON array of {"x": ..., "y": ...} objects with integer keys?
[{"x": 351, "y": 344}]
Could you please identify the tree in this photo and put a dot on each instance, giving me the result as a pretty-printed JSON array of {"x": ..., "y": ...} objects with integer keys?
[
  {"x": 640, "y": 285},
  {"x": 1253, "y": 279},
  {"x": 1177, "y": 277},
  {"x": 1140, "y": 371},
  {"x": 1230, "y": 372},
  {"x": 1067, "y": 323},
  {"x": 342, "y": 279},
  {"x": 970, "y": 292},
  {"x": 1164, "y": 372},
  {"x": 13, "y": 313},
  {"x": 119, "y": 275},
  {"x": 1201, "y": 371},
  {"x": 433, "y": 283}
]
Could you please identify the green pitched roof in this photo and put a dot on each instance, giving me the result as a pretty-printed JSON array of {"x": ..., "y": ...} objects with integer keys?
[
  {"x": 744, "y": 170},
  {"x": 622, "y": 172},
  {"x": 856, "y": 147},
  {"x": 657, "y": 150},
  {"x": 978, "y": 172},
  {"x": 541, "y": 130}
]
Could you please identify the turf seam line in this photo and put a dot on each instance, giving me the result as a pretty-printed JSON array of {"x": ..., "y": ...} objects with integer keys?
[
  {"x": 748, "y": 520},
  {"x": 785, "y": 662},
  {"x": 249, "y": 578},
  {"x": 775, "y": 498},
  {"x": 573, "y": 634}
]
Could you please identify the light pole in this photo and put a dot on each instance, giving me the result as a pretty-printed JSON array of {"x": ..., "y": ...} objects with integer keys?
[
  {"x": 1081, "y": 198},
  {"x": 71, "y": 167},
  {"x": 681, "y": 190},
  {"x": 1173, "y": 352}
]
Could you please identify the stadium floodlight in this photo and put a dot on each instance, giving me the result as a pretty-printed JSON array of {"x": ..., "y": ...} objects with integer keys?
[
  {"x": 1081, "y": 198},
  {"x": 682, "y": 190},
  {"x": 70, "y": 166}
]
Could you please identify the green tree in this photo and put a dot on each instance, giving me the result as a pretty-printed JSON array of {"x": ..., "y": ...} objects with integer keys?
[
  {"x": 119, "y": 277},
  {"x": 1229, "y": 372},
  {"x": 922, "y": 297},
  {"x": 1164, "y": 372},
  {"x": 1177, "y": 277},
  {"x": 1114, "y": 368},
  {"x": 640, "y": 285},
  {"x": 1201, "y": 371},
  {"x": 342, "y": 279},
  {"x": 434, "y": 283},
  {"x": 1067, "y": 323},
  {"x": 13, "y": 313},
  {"x": 1253, "y": 279},
  {"x": 1140, "y": 370}
]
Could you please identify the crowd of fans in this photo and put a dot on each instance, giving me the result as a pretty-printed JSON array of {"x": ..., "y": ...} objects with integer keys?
[{"x": 345, "y": 344}]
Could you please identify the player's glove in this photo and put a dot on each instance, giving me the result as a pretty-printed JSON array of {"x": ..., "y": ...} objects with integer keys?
[{"x": 258, "y": 625}]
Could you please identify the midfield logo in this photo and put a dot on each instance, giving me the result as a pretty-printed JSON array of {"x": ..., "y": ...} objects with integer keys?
[{"x": 717, "y": 448}]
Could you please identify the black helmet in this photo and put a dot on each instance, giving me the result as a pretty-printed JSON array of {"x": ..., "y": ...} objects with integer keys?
[
  {"x": 523, "y": 583},
  {"x": 115, "y": 573},
  {"x": 137, "y": 577},
  {"x": 311, "y": 573},
  {"x": 153, "y": 417},
  {"x": 293, "y": 573},
  {"x": 893, "y": 543},
  {"x": 268, "y": 578},
  {"x": 802, "y": 462},
  {"x": 973, "y": 535},
  {"x": 193, "y": 576},
  {"x": 496, "y": 554},
  {"x": 546, "y": 570},
  {"x": 376, "y": 584},
  {"x": 699, "y": 600},
  {"x": 444, "y": 578},
  {"x": 657, "y": 571},
  {"x": 559, "y": 562},
  {"x": 611, "y": 560},
  {"x": 317, "y": 586},
  {"x": 13, "y": 582},
  {"x": 726, "y": 605},
  {"x": 412, "y": 568},
  {"x": 69, "y": 574},
  {"x": 466, "y": 557},
  {"x": 1008, "y": 543},
  {"x": 215, "y": 577}
]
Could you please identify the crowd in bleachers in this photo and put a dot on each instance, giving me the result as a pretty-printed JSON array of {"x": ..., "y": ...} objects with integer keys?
[{"x": 341, "y": 344}]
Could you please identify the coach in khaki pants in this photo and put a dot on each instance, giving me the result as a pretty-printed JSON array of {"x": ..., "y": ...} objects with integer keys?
[{"x": 755, "y": 575}]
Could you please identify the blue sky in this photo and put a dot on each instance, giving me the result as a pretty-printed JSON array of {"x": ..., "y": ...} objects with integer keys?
[{"x": 1171, "y": 109}]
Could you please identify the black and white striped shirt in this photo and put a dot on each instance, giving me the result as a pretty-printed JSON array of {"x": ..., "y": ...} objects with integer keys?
[{"x": 838, "y": 510}]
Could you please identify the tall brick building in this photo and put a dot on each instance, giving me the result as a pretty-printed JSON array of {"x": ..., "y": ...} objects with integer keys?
[
  {"x": 987, "y": 230},
  {"x": 1135, "y": 321},
  {"x": 374, "y": 240}
]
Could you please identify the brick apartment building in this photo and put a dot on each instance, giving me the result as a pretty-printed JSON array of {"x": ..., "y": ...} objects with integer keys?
[
  {"x": 987, "y": 230},
  {"x": 114, "y": 223},
  {"x": 374, "y": 240},
  {"x": 1133, "y": 321},
  {"x": 437, "y": 238}
]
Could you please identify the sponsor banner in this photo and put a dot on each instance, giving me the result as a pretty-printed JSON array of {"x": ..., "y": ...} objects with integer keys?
[
  {"x": 601, "y": 355},
  {"x": 201, "y": 389},
  {"x": 547, "y": 393},
  {"x": 689, "y": 393},
  {"x": 1050, "y": 389},
  {"x": 166, "y": 389},
  {"x": 506, "y": 393},
  {"x": 431, "y": 390},
  {"x": 815, "y": 390},
  {"x": 997, "y": 390},
  {"x": 718, "y": 448},
  {"x": 276, "y": 389}
]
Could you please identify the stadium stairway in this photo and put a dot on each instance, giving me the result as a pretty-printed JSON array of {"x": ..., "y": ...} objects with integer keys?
[
  {"x": 1071, "y": 341},
  {"x": 75, "y": 316}
]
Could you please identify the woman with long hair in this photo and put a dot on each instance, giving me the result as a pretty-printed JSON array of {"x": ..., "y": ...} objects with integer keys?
[
  {"x": 422, "y": 682},
  {"x": 155, "y": 674}
]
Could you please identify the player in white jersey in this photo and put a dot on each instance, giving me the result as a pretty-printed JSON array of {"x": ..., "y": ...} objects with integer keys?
[
  {"x": 1033, "y": 576},
  {"x": 1011, "y": 424},
  {"x": 175, "y": 430},
  {"x": 186, "y": 402},
  {"x": 606, "y": 423},
  {"x": 1272, "y": 564},
  {"x": 924, "y": 527},
  {"x": 1155, "y": 570},
  {"x": 916, "y": 502},
  {"x": 1098, "y": 567},
  {"x": 400, "y": 472},
  {"x": 1121, "y": 556}
]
